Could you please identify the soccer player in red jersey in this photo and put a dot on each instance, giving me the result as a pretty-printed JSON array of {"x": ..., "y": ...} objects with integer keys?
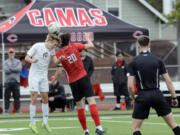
[{"x": 78, "y": 79}]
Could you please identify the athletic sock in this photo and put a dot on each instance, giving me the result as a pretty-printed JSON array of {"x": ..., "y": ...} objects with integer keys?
[
  {"x": 45, "y": 110},
  {"x": 82, "y": 118},
  {"x": 95, "y": 114},
  {"x": 32, "y": 109},
  {"x": 176, "y": 130},
  {"x": 86, "y": 131},
  {"x": 118, "y": 105},
  {"x": 137, "y": 133}
]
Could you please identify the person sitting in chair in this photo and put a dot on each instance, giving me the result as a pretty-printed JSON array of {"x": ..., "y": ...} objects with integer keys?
[{"x": 57, "y": 98}]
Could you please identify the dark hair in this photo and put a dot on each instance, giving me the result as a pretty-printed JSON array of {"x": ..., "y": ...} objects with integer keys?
[
  {"x": 120, "y": 52},
  {"x": 22, "y": 58},
  {"x": 143, "y": 40},
  {"x": 65, "y": 38}
]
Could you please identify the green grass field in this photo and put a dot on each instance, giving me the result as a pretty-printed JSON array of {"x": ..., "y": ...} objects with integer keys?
[{"x": 114, "y": 122}]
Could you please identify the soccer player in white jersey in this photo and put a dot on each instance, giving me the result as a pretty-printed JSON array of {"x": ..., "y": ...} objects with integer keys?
[{"x": 39, "y": 56}]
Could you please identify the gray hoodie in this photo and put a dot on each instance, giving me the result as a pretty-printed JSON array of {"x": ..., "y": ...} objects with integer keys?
[{"x": 12, "y": 67}]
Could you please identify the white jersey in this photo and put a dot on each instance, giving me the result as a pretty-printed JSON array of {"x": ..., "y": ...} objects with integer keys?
[{"x": 43, "y": 54}]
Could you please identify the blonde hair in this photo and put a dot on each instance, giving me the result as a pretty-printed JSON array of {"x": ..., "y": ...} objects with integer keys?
[{"x": 52, "y": 37}]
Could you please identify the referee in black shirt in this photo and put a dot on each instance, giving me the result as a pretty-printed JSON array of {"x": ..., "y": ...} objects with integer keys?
[{"x": 146, "y": 69}]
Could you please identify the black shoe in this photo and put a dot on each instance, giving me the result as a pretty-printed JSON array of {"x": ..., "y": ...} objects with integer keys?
[
  {"x": 86, "y": 133},
  {"x": 116, "y": 108},
  {"x": 99, "y": 132},
  {"x": 52, "y": 110}
]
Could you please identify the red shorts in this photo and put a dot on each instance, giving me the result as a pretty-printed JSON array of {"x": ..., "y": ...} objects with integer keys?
[{"x": 23, "y": 82}]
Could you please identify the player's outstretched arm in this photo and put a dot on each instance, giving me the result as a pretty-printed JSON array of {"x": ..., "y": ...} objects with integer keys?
[
  {"x": 89, "y": 42},
  {"x": 170, "y": 88},
  {"x": 30, "y": 60},
  {"x": 58, "y": 60},
  {"x": 57, "y": 75}
]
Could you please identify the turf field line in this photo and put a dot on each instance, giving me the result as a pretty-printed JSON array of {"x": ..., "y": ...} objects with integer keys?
[
  {"x": 67, "y": 116},
  {"x": 22, "y": 119},
  {"x": 25, "y": 128},
  {"x": 89, "y": 119},
  {"x": 130, "y": 122}
]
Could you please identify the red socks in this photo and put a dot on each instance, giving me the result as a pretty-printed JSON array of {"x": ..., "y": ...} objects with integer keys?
[
  {"x": 82, "y": 118},
  {"x": 95, "y": 114}
]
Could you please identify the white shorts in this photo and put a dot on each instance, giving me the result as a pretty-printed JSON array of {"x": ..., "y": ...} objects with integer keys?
[{"x": 38, "y": 84}]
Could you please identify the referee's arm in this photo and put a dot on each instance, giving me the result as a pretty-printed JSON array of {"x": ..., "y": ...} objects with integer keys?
[
  {"x": 170, "y": 88},
  {"x": 131, "y": 87}
]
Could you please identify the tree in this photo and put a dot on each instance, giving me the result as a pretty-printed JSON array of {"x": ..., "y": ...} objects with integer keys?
[
  {"x": 156, "y": 4},
  {"x": 174, "y": 18}
]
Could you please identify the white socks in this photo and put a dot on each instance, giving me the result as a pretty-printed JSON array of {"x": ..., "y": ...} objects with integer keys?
[
  {"x": 86, "y": 131},
  {"x": 118, "y": 105},
  {"x": 32, "y": 109},
  {"x": 100, "y": 128},
  {"x": 45, "y": 110}
]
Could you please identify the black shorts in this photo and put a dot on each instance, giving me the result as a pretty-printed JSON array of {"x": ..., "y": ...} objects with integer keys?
[
  {"x": 147, "y": 99},
  {"x": 82, "y": 88}
]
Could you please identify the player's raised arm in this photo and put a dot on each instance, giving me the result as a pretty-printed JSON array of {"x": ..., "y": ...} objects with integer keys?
[
  {"x": 89, "y": 42},
  {"x": 57, "y": 75},
  {"x": 58, "y": 60},
  {"x": 30, "y": 60}
]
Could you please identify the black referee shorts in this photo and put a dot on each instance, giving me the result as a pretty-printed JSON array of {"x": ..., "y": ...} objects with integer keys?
[
  {"x": 82, "y": 88},
  {"x": 147, "y": 99}
]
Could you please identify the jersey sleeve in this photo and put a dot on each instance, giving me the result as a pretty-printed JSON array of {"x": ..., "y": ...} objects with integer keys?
[
  {"x": 131, "y": 69},
  {"x": 32, "y": 50},
  {"x": 79, "y": 46},
  {"x": 162, "y": 68}
]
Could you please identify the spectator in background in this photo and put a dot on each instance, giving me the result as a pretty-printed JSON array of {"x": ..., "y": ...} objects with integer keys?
[
  {"x": 119, "y": 78},
  {"x": 23, "y": 73},
  {"x": 12, "y": 67},
  {"x": 57, "y": 97},
  {"x": 89, "y": 67}
]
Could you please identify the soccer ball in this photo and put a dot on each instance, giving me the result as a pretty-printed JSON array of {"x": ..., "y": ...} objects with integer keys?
[{"x": 54, "y": 28}]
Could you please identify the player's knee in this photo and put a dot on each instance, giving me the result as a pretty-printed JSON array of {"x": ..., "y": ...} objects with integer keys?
[
  {"x": 80, "y": 104},
  {"x": 91, "y": 100},
  {"x": 45, "y": 100},
  {"x": 33, "y": 101}
]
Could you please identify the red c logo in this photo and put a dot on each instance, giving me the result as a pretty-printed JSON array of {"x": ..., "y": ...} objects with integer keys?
[
  {"x": 137, "y": 34},
  {"x": 12, "y": 38}
]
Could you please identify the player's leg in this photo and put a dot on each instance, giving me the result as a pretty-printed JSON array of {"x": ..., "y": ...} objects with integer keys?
[
  {"x": 82, "y": 116},
  {"x": 32, "y": 109},
  {"x": 169, "y": 119},
  {"x": 140, "y": 112},
  {"x": 88, "y": 92},
  {"x": 95, "y": 115},
  {"x": 45, "y": 110},
  {"x": 136, "y": 126},
  {"x": 163, "y": 109},
  {"x": 78, "y": 94}
]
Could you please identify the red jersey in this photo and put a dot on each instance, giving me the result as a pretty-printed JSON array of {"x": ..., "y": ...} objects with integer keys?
[{"x": 73, "y": 63}]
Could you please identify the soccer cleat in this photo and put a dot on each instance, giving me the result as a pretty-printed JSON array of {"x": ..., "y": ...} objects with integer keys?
[
  {"x": 116, "y": 108},
  {"x": 86, "y": 133},
  {"x": 99, "y": 132},
  {"x": 33, "y": 128},
  {"x": 47, "y": 127}
]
